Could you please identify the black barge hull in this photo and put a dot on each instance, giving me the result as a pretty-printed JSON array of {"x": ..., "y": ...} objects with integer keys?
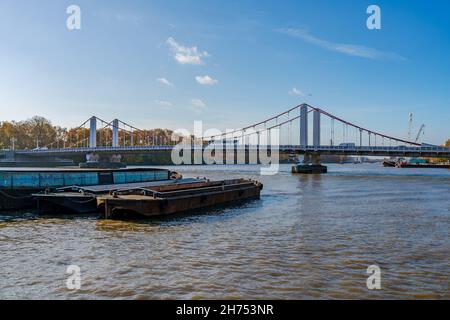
[{"x": 17, "y": 199}]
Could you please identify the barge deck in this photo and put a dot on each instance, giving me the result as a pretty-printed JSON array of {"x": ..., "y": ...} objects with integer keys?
[
  {"x": 175, "y": 199},
  {"x": 81, "y": 200}
]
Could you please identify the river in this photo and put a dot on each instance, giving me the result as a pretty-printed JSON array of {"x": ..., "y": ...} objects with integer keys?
[{"x": 310, "y": 236}]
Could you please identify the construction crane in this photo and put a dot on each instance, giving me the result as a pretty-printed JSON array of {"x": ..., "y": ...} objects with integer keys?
[
  {"x": 421, "y": 131},
  {"x": 410, "y": 126}
]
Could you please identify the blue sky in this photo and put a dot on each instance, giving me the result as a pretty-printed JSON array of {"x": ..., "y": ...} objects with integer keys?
[{"x": 228, "y": 63}]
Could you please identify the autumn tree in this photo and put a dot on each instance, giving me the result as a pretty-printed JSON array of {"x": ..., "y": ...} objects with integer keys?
[
  {"x": 40, "y": 132},
  {"x": 29, "y": 134}
]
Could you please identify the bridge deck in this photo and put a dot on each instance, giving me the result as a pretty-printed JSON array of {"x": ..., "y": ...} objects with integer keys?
[{"x": 427, "y": 151}]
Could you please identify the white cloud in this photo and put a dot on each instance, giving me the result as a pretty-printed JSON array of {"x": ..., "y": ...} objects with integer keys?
[
  {"x": 165, "y": 81},
  {"x": 296, "y": 92},
  {"x": 163, "y": 103},
  {"x": 198, "y": 104},
  {"x": 186, "y": 55},
  {"x": 348, "y": 49},
  {"x": 206, "y": 80}
]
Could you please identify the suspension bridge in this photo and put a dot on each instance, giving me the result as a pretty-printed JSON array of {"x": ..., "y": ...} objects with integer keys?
[{"x": 289, "y": 131}]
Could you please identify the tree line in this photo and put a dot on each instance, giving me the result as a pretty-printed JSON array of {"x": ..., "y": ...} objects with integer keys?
[
  {"x": 446, "y": 144},
  {"x": 39, "y": 132}
]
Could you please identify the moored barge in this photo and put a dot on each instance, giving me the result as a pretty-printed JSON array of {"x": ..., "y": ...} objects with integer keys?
[
  {"x": 425, "y": 165},
  {"x": 165, "y": 200},
  {"x": 83, "y": 200},
  {"x": 18, "y": 185}
]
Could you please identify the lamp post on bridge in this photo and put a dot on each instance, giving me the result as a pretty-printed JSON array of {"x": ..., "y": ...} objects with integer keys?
[{"x": 13, "y": 143}]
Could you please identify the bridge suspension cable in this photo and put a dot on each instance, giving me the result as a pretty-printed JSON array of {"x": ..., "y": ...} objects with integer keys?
[
  {"x": 363, "y": 129},
  {"x": 109, "y": 133}
]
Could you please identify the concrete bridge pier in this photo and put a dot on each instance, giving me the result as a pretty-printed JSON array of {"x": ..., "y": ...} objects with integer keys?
[
  {"x": 310, "y": 164},
  {"x": 311, "y": 161},
  {"x": 315, "y": 159},
  {"x": 94, "y": 160}
]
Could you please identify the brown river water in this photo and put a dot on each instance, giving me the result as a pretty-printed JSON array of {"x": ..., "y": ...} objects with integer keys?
[{"x": 310, "y": 236}]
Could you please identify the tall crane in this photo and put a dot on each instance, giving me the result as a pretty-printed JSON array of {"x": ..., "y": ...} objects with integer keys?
[
  {"x": 421, "y": 131},
  {"x": 410, "y": 126}
]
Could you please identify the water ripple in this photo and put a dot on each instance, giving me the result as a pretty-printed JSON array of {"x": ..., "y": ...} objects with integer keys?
[{"x": 308, "y": 237}]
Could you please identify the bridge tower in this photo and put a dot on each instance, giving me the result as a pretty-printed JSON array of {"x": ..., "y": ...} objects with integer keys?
[
  {"x": 93, "y": 132},
  {"x": 115, "y": 133},
  {"x": 311, "y": 160},
  {"x": 303, "y": 126},
  {"x": 98, "y": 160}
]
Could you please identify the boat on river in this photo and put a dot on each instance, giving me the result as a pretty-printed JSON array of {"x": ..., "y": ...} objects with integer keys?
[
  {"x": 387, "y": 163},
  {"x": 83, "y": 200},
  {"x": 18, "y": 185},
  {"x": 171, "y": 199},
  {"x": 424, "y": 165},
  {"x": 415, "y": 163}
]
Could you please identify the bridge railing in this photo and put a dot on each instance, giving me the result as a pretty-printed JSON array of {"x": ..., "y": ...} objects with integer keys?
[
  {"x": 429, "y": 149},
  {"x": 375, "y": 148},
  {"x": 366, "y": 148}
]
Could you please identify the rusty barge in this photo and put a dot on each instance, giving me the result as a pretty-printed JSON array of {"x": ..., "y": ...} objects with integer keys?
[
  {"x": 82, "y": 200},
  {"x": 149, "y": 199},
  {"x": 174, "y": 199}
]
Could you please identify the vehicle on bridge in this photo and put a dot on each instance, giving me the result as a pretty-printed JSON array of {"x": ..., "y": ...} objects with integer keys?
[{"x": 346, "y": 145}]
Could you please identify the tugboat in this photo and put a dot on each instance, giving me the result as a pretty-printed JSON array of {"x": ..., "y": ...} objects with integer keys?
[{"x": 387, "y": 163}]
